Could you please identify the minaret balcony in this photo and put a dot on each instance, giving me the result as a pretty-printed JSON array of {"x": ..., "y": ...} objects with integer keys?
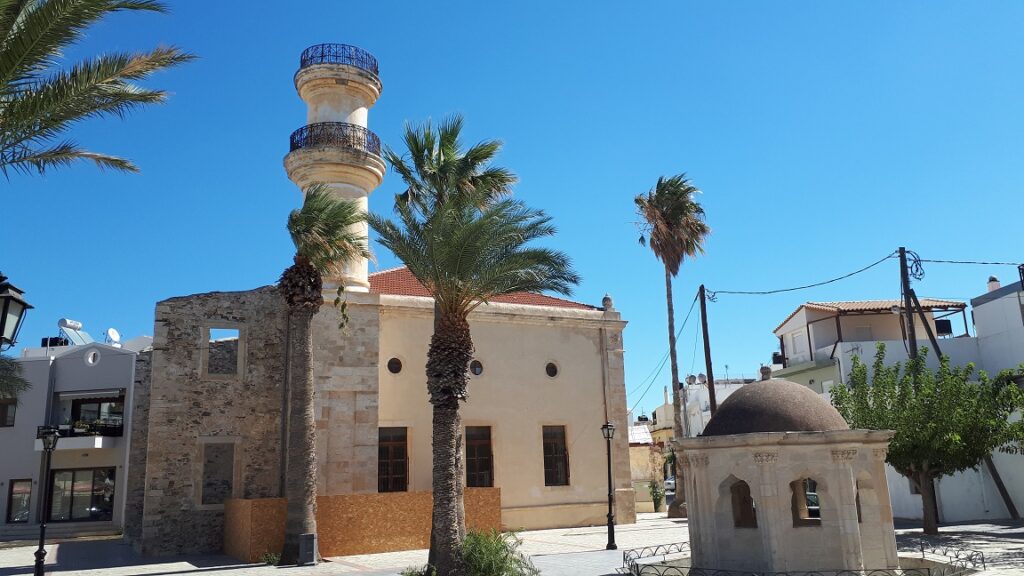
[
  {"x": 339, "y": 54},
  {"x": 335, "y": 135}
]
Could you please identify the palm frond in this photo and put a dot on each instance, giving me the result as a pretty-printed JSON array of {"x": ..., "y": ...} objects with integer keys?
[
  {"x": 12, "y": 383},
  {"x": 324, "y": 230},
  {"x": 672, "y": 221},
  {"x": 25, "y": 159},
  {"x": 39, "y": 101}
]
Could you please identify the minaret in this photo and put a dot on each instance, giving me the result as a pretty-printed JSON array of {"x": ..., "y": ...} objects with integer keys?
[{"x": 339, "y": 84}]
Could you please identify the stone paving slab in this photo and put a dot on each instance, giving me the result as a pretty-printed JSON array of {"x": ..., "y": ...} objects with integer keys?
[{"x": 558, "y": 552}]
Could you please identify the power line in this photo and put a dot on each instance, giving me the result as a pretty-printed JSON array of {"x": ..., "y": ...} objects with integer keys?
[
  {"x": 981, "y": 263},
  {"x": 662, "y": 367},
  {"x": 713, "y": 294}
]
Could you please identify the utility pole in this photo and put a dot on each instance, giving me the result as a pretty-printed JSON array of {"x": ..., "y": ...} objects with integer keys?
[
  {"x": 908, "y": 306},
  {"x": 707, "y": 349}
]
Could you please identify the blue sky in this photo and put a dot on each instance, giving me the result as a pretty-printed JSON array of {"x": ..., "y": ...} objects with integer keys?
[{"x": 823, "y": 134}]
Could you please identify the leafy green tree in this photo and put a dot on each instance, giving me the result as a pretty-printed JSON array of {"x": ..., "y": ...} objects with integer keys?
[
  {"x": 12, "y": 382},
  {"x": 324, "y": 237},
  {"x": 40, "y": 100},
  {"x": 466, "y": 245},
  {"x": 673, "y": 226},
  {"x": 946, "y": 421}
]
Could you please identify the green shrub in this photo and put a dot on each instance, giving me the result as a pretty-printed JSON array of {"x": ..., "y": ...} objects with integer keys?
[
  {"x": 657, "y": 494},
  {"x": 489, "y": 554},
  {"x": 270, "y": 558},
  {"x": 496, "y": 554}
]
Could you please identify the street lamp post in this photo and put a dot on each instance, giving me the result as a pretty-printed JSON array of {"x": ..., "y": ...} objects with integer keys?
[
  {"x": 12, "y": 312},
  {"x": 48, "y": 435},
  {"x": 608, "y": 431}
]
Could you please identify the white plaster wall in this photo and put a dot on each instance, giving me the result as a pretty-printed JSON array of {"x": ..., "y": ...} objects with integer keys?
[
  {"x": 961, "y": 351},
  {"x": 1000, "y": 328}
]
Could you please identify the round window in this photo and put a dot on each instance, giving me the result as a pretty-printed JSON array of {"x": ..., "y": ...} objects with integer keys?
[
  {"x": 476, "y": 367},
  {"x": 551, "y": 369},
  {"x": 394, "y": 365},
  {"x": 92, "y": 358}
]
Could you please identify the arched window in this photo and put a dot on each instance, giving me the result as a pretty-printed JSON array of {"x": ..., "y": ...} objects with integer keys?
[
  {"x": 744, "y": 515},
  {"x": 806, "y": 510}
]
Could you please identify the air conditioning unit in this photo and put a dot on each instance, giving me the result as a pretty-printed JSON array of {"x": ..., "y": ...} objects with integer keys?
[
  {"x": 944, "y": 327},
  {"x": 777, "y": 358}
]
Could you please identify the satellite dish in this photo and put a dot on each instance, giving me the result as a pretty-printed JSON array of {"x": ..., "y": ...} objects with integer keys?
[{"x": 113, "y": 336}]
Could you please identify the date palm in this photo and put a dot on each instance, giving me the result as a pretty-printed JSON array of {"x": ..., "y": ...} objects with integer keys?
[
  {"x": 40, "y": 100},
  {"x": 12, "y": 382},
  {"x": 323, "y": 231},
  {"x": 466, "y": 245},
  {"x": 672, "y": 224}
]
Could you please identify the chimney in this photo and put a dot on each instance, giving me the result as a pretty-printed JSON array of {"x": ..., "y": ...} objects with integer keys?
[
  {"x": 766, "y": 372},
  {"x": 666, "y": 394},
  {"x": 993, "y": 284}
]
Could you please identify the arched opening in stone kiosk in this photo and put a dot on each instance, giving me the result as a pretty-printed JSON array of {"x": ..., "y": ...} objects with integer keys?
[
  {"x": 744, "y": 513},
  {"x": 737, "y": 538},
  {"x": 806, "y": 505}
]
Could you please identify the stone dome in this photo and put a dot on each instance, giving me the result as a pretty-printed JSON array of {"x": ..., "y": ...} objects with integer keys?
[{"x": 774, "y": 406}]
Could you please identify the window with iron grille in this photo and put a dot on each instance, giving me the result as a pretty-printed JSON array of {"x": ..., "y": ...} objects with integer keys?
[
  {"x": 556, "y": 457},
  {"x": 479, "y": 457},
  {"x": 392, "y": 460}
]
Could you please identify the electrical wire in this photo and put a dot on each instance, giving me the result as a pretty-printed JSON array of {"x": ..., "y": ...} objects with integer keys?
[
  {"x": 712, "y": 295},
  {"x": 662, "y": 367},
  {"x": 981, "y": 263}
]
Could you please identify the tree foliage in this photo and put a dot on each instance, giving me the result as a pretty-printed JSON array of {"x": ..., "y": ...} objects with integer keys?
[
  {"x": 946, "y": 421},
  {"x": 12, "y": 383},
  {"x": 672, "y": 221},
  {"x": 40, "y": 99}
]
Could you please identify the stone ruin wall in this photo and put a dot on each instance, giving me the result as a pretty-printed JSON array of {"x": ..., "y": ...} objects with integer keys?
[
  {"x": 182, "y": 404},
  {"x": 191, "y": 403}
]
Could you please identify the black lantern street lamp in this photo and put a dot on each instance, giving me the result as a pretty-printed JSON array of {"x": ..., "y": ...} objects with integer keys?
[
  {"x": 608, "y": 431},
  {"x": 12, "y": 312},
  {"x": 48, "y": 435}
]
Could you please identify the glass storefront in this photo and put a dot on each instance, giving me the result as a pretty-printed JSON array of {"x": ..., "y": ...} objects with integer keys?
[{"x": 82, "y": 495}]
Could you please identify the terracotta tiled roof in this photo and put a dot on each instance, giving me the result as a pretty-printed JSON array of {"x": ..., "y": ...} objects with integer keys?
[
  {"x": 871, "y": 306},
  {"x": 401, "y": 282}
]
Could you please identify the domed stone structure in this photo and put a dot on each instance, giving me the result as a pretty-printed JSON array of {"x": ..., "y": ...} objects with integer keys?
[
  {"x": 774, "y": 406},
  {"x": 778, "y": 482}
]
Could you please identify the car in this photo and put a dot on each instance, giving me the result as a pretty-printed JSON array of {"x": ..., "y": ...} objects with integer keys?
[{"x": 670, "y": 483}]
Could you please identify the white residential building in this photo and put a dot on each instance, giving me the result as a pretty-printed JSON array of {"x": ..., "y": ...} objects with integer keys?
[
  {"x": 818, "y": 341},
  {"x": 85, "y": 389}
]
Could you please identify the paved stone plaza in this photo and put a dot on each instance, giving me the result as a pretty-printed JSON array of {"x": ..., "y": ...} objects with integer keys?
[{"x": 559, "y": 552}]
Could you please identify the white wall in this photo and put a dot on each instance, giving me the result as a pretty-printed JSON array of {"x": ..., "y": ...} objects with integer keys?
[
  {"x": 961, "y": 351},
  {"x": 1000, "y": 327}
]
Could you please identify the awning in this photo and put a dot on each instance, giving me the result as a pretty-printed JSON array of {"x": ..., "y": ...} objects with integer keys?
[{"x": 92, "y": 394}]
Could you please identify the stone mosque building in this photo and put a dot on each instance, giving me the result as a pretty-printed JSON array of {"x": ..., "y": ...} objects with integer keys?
[{"x": 548, "y": 373}]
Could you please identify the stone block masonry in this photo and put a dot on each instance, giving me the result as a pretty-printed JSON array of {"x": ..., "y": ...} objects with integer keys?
[{"x": 195, "y": 400}]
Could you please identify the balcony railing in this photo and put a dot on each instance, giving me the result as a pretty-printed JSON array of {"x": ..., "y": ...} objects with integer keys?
[
  {"x": 336, "y": 135},
  {"x": 338, "y": 54},
  {"x": 98, "y": 428}
]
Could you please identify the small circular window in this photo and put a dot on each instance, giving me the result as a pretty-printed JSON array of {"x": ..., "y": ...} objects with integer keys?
[
  {"x": 394, "y": 365},
  {"x": 476, "y": 367},
  {"x": 92, "y": 358},
  {"x": 551, "y": 369}
]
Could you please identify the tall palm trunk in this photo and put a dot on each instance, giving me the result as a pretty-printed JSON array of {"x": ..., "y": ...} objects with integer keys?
[
  {"x": 300, "y": 477},
  {"x": 675, "y": 509},
  {"x": 451, "y": 349}
]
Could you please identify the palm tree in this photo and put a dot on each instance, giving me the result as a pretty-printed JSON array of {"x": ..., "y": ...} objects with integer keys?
[
  {"x": 40, "y": 101},
  {"x": 466, "y": 245},
  {"x": 12, "y": 382},
  {"x": 672, "y": 223},
  {"x": 323, "y": 232}
]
